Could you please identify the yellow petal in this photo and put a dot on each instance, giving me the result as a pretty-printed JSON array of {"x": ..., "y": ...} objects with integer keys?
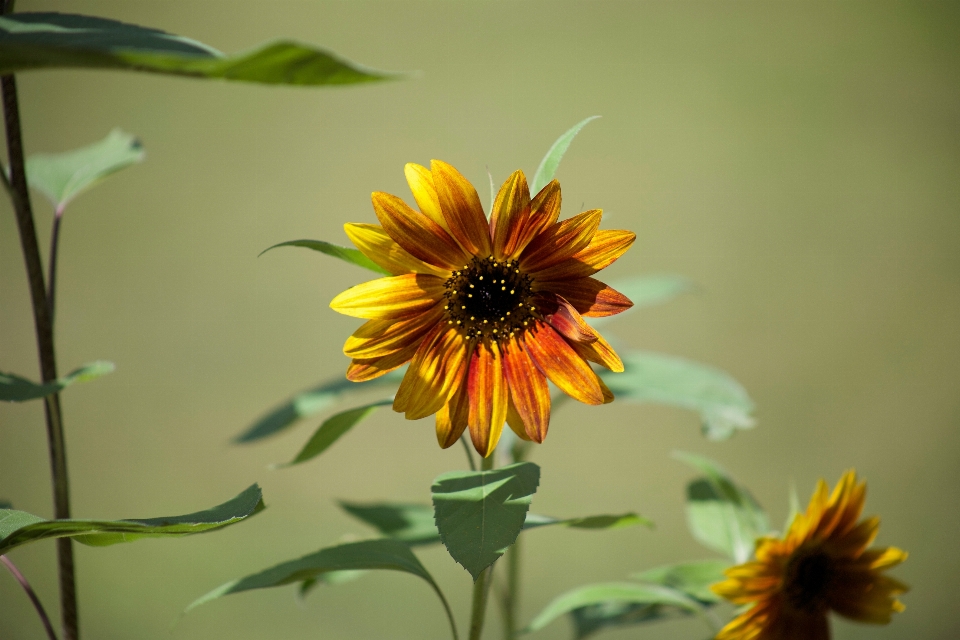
[
  {"x": 374, "y": 243},
  {"x": 377, "y": 338},
  {"x": 421, "y": 185},
  {"x": 393, "y": 297},
  {"x": 511, "y": 209},
  {"x": 461, "y": 209},
  {"x": 488, "y": 398},
  {"x": 417, "y": 234}
]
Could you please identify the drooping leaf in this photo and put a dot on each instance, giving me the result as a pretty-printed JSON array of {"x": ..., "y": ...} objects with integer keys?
[
  {"x": 692, "y": 578},
  {"x": 647, "y": 291},
  {"x": 63, "y": 176},
  {"x": 347, "y": 254},
  {"x": 613, "y": 604},
  {"x": 14, "y": 388},
  {"x": 385, "y": 554},
  {"x": 309, "y": 403},
  {"x": 19, "y": 527},
  {"x": 329, "y": 578},
  {"x": 480, "y": 513},
  {"x": 721, "y": 401},
  {"x": 721, "y": 514},
  {"x": 548, "y": 166},
  {"x": 61, "y": 40},
  {"x": 332, "y": 428}
]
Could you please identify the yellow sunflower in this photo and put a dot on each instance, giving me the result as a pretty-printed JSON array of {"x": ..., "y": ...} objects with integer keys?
[
  {"x": 485, "y": 311},
  {"x": 821, "y": 564}
]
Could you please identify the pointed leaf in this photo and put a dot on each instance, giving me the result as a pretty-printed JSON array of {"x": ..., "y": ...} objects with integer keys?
[
  {"x": 620, "y": 521},
  {"x": 331, "y": 578},
  {"x": 60, "y": 40},
  {"x": 692, "y": 578},
  {"x": 721, "y": 401},
  {"x": 18, "y": 527},
  {"x": 14, "y": 388},
  {"x": 331, "y": 430},
  {"x": 548, "y": 166},
  {"x": 347, "y": 254},
  {"x": 480, "y": 513}
]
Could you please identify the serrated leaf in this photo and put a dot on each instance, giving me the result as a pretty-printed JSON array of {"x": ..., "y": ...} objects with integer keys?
[
  {"x": 63, "y": 176},
  {"x": 614, "y": 604},
  {"x": 548, "y": 166},
  {"x": 721, "y": 514},
  {"x": 309, "y": 403},
  {"x": 723, "y": 404},
  {"x": 692, "y": 578},
  {"x": 347, "y": 254},
  {"x": 61, "y": 40},
  {"x": 14, "y": 388},
  {"x": 332, "y": 429},
  {"x": 480, "y": 513},
  {"x": 19, "y": 527}
]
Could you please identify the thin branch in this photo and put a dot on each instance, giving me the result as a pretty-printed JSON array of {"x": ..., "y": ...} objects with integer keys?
[{"x": 8, "y": 563}]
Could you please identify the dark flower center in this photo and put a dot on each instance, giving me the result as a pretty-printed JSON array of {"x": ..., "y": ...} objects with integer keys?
[
  {"x": 807, "y": 579},
  {"x": 490, "y": 299}
]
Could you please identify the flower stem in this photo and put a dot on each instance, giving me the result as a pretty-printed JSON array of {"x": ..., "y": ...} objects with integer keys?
[
  {"x": 44, "y": 329},
  {"x": 52, "y": 271},
  {"x": 465, "y": 441},
  {"x": 481, "y": 588},
  {"x": 8, "y": 563},
  {"x": 511, "y": 594}
]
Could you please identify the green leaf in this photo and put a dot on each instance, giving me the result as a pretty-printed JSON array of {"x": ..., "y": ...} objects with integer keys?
[
  {"x": 6, "y": 504},
  {"x": 309, "y": 403},
  {"x": 332, "y": 428},
  {"x": 60, "y": 40},
  {"x": 692, "y": 578},
  {"x": 389, "y": 555},
  {"x": 614, "y": 601},
  {"x": 347, "y": 254},
  {"x": 548, "y": 166},
  {"x": 14, "y": 388},
  {"x": 331, "y": 578},
  {"x": 18, "y": 527},
  {"x": 63, "y": 176},
  {"x": 480, "y": 513},
  {"x": 620, "y": 521},
  {"x": 721, "y": 401},
  {"x": 722, "y": 515}
]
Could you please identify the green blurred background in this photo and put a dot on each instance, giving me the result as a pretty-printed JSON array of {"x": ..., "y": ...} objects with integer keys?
[{"x": 799, "y": 161}]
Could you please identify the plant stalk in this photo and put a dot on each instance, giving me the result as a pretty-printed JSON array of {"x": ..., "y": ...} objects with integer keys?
[
  {"x": 20, "y": 197},
  {"x": 481, "y": 588},
  {"x": 511, "y": 594},
  {"x": 52, "y": 270},
  {"x": 8, "y": 563}
]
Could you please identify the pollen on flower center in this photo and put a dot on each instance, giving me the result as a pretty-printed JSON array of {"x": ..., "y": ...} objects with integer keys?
[
  {"x": 807, "y": 578},
  {"x": 490, "y": 299}
]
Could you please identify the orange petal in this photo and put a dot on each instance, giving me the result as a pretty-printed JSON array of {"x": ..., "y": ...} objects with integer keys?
[
  {"x": 488, "y": 397},
  {"x": 390, "y": 298},
  {"x": 452, "y": 418},
  {"x": 529, "y": 393},
  {"x": 361, "y": 370},
  {"x": 605, "y": 248},
  {"x": 421, "y": 185},
  {"x": 544, "y": 211},
  {"x": 511, "y": 210},
  {"x": 374, "y": 243},
  {"x": 377, "y": 338},
  {"x": 461, "y": 209},
  {"x": 561, "y": 364},
  {"x": 419, "y": 235},
  {"x": 435, "y": 372},
  {"x": 516, "y": 422},
  {"x": 600, "y": 352},
  {"x": 560, "y": 241},
  {"x": 568, "y": 322},
  {"x": 591, "y": 297}
]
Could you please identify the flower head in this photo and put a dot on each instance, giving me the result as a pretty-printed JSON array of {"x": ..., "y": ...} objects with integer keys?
[
  {"x": 821, "y": 564},
  {"x": 485, "y": 311}
]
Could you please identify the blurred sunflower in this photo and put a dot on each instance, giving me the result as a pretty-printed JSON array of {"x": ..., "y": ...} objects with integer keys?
[
  {"x": 821, "y": 564},
  {"x": 485, "y": 312}
]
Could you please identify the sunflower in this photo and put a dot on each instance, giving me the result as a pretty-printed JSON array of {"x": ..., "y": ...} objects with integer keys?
[
  {"x": 484, "y": 311},
  {"x": 821, "y": 564}
]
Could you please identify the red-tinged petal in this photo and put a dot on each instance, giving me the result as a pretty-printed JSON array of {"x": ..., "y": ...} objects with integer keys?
[
  {"x": 421, "y": 185},
  {"x": 511, "y": 210},
  {"x": 591, "y": 297},
  {"x": 528, "y": 391},
  {"x": 452, "y": 418},
  {"x": 461, "y": 209},
  {"x": 418, "y": 234},
  {"x": 561, "y": 364},
  {"x": 361, "y": 370},
  {"x": 600, "y": 352},
  {"x": 374, "y": 243},
  {"x": 436, "y": 370},
  {"x": 377, "y": 338},
  {"x": 560, "y": 241},
  {"x": 605, "y": 248},
  {"x": 568, "y": 321},
  {"x": 390, "y": 298},
  {"x": 516, "y": 422},
  {"x": 488, "y": 397},
  {"x": 544, "y": 212}
]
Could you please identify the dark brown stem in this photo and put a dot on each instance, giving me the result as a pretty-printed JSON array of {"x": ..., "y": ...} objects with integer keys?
[
  {"x": 52, "y": 270},
  {"x": 8, "y": 563}
]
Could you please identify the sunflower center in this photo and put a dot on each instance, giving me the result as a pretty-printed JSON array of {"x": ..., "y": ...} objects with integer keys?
[
  {"x": 807, "y": 579},
  {"x": 490, "y": 299}
]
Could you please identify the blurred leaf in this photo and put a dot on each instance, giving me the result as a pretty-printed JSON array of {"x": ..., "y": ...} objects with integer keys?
[
  {"x": 331, "y": 578},
  {"x": 614, "y": 604},
  {"x": 309, "y": 403},
  {"x": 480, "y": 513},
  {"x": 63, "y": 176},
  {"x": 18, "y": 527},
  {"x": 332, "y": 428},
  {"x": 692, "y": 578},
  {"x": 6, "y": 504},
  {"x": 59, "y": 40},
  {"x": 347, "y": 254},
  {"x": 722, "y": 515},
  {"x": 14, "y": 388},
  {"x": 534, "y": 521},
  {"x": 548, "y": 166},
  {"x": 647, "y": 291},
  {"x": 721, "y": 401},
  {"x": 795, "y": 508}
]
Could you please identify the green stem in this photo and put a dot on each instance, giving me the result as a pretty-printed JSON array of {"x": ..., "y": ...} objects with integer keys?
[
  {"x": 511, "y": 594},
  {"x": 43, "y": 324},
  {"x": 465, "y": 441},
  {"x": 481, "y": 588}
]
